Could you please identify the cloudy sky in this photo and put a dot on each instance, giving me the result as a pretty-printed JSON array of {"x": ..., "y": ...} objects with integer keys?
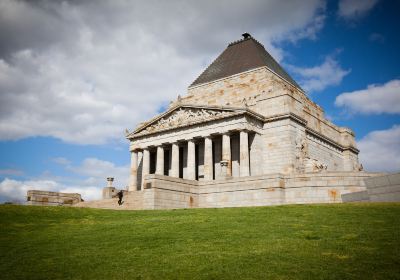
[{"x": 75, "y": 74}]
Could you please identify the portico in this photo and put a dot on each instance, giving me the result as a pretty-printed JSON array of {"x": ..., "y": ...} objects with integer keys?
[{"x": 214, "y": 157}]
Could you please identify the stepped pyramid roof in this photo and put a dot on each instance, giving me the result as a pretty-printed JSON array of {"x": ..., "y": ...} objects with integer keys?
[{"x": 241, "y": 56}]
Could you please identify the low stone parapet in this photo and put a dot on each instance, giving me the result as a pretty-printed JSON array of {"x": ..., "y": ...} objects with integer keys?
[
  {"x": 37, "y": 197},
  {"x": 384, "y": 188},
  {"x": 361, "y": 196}
]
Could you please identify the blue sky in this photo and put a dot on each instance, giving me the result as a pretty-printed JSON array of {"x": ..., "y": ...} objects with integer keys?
[{"x": 74, "y": 75}]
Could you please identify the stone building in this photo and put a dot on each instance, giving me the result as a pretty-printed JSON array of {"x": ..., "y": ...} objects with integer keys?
[{"x": 244, "y": 134}]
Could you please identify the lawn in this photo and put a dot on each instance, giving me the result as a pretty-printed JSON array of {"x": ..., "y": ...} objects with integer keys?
[{"x": 341, "y": 241}]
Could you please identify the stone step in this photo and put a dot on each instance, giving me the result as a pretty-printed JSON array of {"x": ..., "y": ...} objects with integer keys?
[{"x": 130, "y": 201}]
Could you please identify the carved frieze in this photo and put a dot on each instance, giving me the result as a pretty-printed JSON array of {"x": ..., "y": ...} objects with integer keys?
[{"x": 184, "y": 117}]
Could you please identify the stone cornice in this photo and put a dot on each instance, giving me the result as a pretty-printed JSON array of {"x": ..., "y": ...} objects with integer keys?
[
  {"x": 331, "y": 142},
  {"x": 311, "y": 131},
  {"x": 291, "y": 116}
]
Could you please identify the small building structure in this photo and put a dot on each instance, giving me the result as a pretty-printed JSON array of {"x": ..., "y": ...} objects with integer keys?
[
  {"x": 46, "y": 198},
  {"x": 109, "y": 191}
]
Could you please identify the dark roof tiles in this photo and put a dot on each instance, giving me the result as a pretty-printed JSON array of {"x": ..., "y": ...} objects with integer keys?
[{"x": 241, "y": 56}]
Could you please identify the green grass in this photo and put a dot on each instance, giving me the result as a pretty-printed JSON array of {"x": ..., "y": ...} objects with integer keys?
[{"x": 341, "y": 241}]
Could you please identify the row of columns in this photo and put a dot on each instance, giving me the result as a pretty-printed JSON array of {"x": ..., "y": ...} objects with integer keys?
[{"x": 136, "y": 157}]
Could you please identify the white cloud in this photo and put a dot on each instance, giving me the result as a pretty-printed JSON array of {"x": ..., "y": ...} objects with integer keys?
[
  {"x": 87, "y": 193},
  {"x": 352, "y": 9},
  {"x": 375, "y": 99},
  {"x": 96, "y": 171},
  {"x": 83, "y": 72},
  {"x": 319, "y": 77},
  {"x": 93, "y": 173},
  {"x": 380, "y": 150}
]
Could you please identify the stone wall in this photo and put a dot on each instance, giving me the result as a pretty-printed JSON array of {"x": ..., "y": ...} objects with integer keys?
[
  {"x": 277, "y": 147},
  {"x": 109, "y": 192},
  {"x": 167, "y": 192},
  {"x": 323, "y": 187},
  {"x": 326, "y": 187},
  {"x": 35, "y": 197},
  {"x": 256, "y": 154},
  {"x": 324, "y": 152},
  {"x": 240, "y": 192}
]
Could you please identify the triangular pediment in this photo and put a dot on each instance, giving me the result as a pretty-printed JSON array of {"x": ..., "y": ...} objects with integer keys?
[{"x": 184, "y": 116}]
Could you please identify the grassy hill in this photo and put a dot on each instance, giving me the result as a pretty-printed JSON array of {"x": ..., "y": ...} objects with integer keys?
[{"x": 342, "y": 241}]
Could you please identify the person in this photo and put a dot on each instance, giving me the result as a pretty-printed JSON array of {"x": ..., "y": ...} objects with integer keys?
[{"x": 120, "y": 195}]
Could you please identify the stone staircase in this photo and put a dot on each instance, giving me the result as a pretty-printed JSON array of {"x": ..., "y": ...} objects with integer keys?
[{"x": 131, "y": 201}]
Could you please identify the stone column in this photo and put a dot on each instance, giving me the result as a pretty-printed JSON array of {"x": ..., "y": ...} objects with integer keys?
[
  {"x": 191, "y": 162},
  {"x": 244, "y": 154},
  {"x": 134, "y": 169},
  {"x": 208, "y": 159},
  {"x": 146, "y": 165},
  {"x": 226, "y": 154},
  {"x": 175, "y": 161},
  {"x": 140, "y": 169},
  {"x": 160, "y": 160}
]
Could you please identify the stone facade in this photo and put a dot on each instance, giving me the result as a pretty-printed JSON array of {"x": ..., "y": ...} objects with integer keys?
[{"x": 250, "y": 137}]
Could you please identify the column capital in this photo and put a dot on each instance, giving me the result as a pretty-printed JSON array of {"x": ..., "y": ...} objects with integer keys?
[
  {"x": 133, "y": 148},
  {"x": 138, "y": 150}
]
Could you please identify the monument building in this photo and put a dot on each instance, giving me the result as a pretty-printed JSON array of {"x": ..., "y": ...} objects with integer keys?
[{"x": 245, "y": 134}]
